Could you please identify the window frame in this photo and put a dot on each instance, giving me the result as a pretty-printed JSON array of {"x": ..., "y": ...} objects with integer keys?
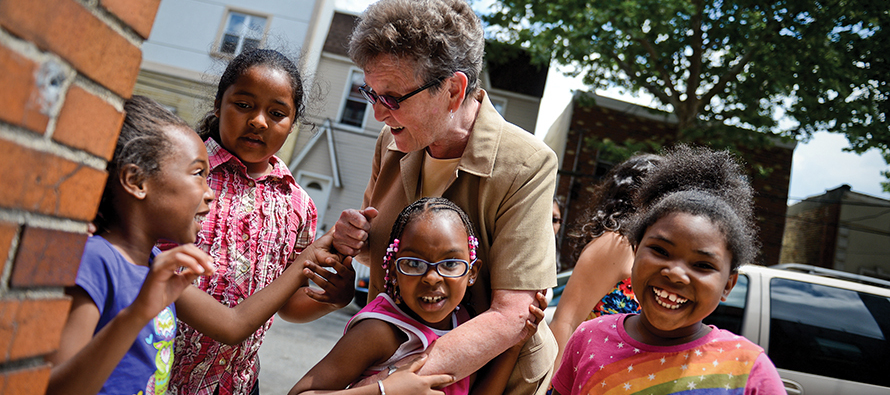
[
  {"x": 345, "y": 98},
  {"x": 221, "y": 32}
]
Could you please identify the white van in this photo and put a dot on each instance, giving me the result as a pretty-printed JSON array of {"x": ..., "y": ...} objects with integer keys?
[{"x": 828, "y": 332}]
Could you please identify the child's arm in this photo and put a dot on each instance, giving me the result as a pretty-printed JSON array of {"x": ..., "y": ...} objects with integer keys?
[
  {"x": 84, "y": 362},
  {"x": 353, "y": 354},
  {"x": 232, "y": 325},
  {"x": 494, "y": 381}
]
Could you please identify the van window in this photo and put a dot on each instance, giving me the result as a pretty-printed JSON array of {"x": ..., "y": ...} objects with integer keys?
[
  {"x": 728, "y": 314},
  {"x": 829, "y": 331}
]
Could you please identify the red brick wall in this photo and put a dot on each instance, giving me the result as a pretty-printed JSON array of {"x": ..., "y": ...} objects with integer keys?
[
  {"x": 66, "y": 66},
  {"x": 576, "y": 178}
]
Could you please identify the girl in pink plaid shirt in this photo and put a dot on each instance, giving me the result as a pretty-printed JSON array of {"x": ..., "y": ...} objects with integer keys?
[{"x": 259, "y": 222}]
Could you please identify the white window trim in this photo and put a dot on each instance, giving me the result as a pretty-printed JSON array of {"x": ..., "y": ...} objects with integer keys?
[
  {"x": 344, "y": 97},
  {"x": 222, "y": 30}
]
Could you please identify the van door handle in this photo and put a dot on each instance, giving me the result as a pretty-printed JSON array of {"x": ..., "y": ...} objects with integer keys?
[{"x": 792, "y": 387}]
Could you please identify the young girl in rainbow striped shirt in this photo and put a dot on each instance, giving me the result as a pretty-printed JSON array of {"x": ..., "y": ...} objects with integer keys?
[{"x": 688, "y": 248}]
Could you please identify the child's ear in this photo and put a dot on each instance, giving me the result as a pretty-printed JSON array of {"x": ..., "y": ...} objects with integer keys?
[
  {"x": 216, "y": 108},
  {"x": 730, "y": 284},
  {"x": 132, "y": 179},
  {"x": 474, "y": 272}
]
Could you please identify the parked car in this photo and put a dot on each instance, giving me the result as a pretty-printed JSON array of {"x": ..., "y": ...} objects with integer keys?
[{"x": 828, "y": 332}]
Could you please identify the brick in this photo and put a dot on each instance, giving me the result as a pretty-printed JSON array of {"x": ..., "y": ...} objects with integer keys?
[
  {"x": 8, "y": 310},
  {"x": 44, "y": 183},
  {"x": 8, "y": 231},
  {"x": 47, "y": 258},
  {"x": 68, "y": 29},
  {"x": 39, "y": 324},
  {"x": 139, "y": 14},
  {"x": 19, "y": 96},
  {"x": 89, "y": 123},
  {"x": 27, "y": 381}
]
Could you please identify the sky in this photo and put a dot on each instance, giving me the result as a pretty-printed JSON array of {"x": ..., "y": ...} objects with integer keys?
[{"x": 819, "y": 164}]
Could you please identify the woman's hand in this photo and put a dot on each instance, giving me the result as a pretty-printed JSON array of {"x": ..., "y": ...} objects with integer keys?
[{"x": 351, "y": 231}]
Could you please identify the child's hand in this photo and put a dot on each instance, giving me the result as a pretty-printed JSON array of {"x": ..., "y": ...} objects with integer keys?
[
  {"x": 537, "y": 310},
  {"x": 338, "y": 288},
  {"x": 406, "y": 381},
  {"x": 171, "y": 272}
]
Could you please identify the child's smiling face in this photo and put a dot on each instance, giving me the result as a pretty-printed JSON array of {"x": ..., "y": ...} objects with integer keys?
[
  {"x": 434, "y": 236},
  {"x": 682, "y": 270},
  {"x": 179, "y": 193}
]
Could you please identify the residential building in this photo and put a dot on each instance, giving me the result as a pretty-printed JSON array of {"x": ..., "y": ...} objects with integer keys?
[
  {"x": 842, "y": 230},
  {"x": 192, "y": 41}
]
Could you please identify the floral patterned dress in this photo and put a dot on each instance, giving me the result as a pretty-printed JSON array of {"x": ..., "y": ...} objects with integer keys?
[{"x": 620, "y": 300}]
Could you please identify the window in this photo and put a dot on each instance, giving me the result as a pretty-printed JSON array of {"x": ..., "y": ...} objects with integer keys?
[
  {"x": 499, "y": 104},
  {"x": 829, "y": 331},
  {"x": 243, "y": 32},
  {"x": 728, "y": 315},
  {"x": 354, "y": 108}
]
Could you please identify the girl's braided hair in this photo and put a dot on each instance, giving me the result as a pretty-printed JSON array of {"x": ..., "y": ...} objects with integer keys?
[
  {"x": 142, "y": 142},
  {"x": 427, "y": 205},
  {"x": 701, "y": 181}
]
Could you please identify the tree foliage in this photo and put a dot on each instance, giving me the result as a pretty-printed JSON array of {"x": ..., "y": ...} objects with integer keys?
[{"x": 786, "y": 68}]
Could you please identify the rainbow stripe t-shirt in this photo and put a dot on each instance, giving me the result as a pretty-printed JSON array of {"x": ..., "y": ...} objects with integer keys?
[{"x": 601, "y": 358}]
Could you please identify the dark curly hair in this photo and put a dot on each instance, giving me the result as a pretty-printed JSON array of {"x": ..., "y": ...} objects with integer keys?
[
  {"x": 427, "y": 205},
  {"x": 142, "y": 142},
  {"x": 701, "y": 181},
  {"x": 612, "y": 201},
  {"x": 208, "y": 126}
]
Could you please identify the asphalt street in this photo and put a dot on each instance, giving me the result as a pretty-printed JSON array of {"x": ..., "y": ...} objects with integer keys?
[{"x": 290, "y": 350}]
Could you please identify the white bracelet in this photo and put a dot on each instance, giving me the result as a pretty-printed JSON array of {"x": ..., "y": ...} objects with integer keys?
[{"x": 380, "y": 385}]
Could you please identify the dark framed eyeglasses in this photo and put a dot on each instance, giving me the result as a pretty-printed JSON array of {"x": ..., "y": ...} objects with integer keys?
[
  {"x": 557, "y": 220},
  {"x": 392, "y": 102},
  {"x": 450, "y": 268}
]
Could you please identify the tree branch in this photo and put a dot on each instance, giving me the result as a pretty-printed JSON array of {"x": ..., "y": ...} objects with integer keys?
[
  {"x": 695, "y": 62},
  {"x": 628, "y": 69}
]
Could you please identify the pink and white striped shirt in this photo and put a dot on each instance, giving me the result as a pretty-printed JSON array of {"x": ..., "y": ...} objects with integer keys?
[{"x": 255, "y": 228}]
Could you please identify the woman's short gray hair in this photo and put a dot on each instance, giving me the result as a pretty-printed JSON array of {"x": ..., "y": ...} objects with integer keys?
[{"x": 442, "y": 36}]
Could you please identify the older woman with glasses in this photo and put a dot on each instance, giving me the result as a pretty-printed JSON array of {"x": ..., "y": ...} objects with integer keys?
[{"x": 422, "y": 60}]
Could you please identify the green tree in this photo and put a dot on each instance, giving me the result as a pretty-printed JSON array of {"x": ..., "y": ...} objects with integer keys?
[{"x": 722, "y": 65}]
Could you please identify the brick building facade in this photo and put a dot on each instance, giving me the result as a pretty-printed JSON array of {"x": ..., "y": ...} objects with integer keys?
[
  {"x": 602, "y": 119},
  {"x": 66, "y": 67}
]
